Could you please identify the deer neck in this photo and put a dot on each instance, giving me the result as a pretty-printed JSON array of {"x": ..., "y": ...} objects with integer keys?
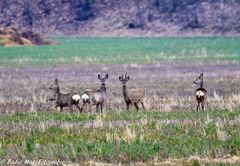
[
  {"x": 201, "y": 85},
  {"x": 103, "y": 88},
  {"x": 125, "y": 94},
  {"x": 57, "y": 93}
]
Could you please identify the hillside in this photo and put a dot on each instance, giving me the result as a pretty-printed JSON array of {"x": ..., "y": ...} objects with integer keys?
[{"x": 123, "y": 18}]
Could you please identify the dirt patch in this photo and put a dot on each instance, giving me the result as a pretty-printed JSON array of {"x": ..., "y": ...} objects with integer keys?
[{"x": 16, "y": 37}]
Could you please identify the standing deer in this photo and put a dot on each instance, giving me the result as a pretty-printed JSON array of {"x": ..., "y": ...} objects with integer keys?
[
  {"x": 133, "y": 95},
  {"x": 201, "y": 93},
  {"x": 96, "y": 97},
  {"x": 64, "y": 100}
]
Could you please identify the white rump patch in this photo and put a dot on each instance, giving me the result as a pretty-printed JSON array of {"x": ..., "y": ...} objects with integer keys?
[
  {"x": 76, "y": 97},
  {"x": 199, "y": 93},
  {"x": 85, "y": 97}
]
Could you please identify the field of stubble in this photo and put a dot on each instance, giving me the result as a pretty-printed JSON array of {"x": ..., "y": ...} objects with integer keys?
[
  {"x": 168, "y": 86},
  {"x": 170, "y": 131}
]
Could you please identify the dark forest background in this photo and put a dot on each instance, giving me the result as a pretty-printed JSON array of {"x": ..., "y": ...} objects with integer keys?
[{"x": 123, "y": 17}]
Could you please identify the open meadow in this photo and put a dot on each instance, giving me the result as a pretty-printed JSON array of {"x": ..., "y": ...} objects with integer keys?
[{"x": 170, "y": 131}]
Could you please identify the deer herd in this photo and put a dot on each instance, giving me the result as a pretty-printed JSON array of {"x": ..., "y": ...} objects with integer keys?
[{"x": 98, "y": 97}]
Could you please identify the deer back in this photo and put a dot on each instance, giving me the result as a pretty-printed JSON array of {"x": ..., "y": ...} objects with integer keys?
[
  {"x": 135, "y": 95},
  {"x": 93, "y": 96},
  {"x": 68, "y": 99},
  {"x": 98, "y": 97},
  {"x": 64, "y": 99}
]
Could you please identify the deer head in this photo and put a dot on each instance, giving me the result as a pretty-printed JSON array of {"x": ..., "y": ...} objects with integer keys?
[
  {"x": 103, "y": 79},
  {"x": 124, "y": 79},
  {"x": 54, "y": 86},
  {"x": 199, "y": 80}
]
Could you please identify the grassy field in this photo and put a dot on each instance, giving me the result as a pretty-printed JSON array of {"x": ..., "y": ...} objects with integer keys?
[
  {"x": 126, "y": 137},
  {"x": 170, "y": 132},
  {"x": 122, "y": 50}
]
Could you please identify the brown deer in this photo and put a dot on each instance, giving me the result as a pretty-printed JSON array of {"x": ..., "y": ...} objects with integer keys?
[
  {"x": 96, "y": 97},
  {"x": 201, "y": 93},
  {"x": 64, "y": 100},
  {"x": 131, "y": 96}
]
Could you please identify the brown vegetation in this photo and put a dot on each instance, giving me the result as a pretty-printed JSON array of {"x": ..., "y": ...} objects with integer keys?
[{"x": 16, "y": 37}]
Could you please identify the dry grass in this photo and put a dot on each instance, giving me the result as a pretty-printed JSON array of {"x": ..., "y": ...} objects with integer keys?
[
  {"x": 193, "y": 160},
  {"x": 168, "y": 86}
]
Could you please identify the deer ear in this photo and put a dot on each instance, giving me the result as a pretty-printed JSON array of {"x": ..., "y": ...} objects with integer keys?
[
  {"x": 106, "y": 76},
  {"x": 128, "y": 77},
  {"x": 56, "y": 81},
  {"x": 120, "y": 78},
  {"x": 99, "y": 77},
  {"x": 201, "y": 75}
]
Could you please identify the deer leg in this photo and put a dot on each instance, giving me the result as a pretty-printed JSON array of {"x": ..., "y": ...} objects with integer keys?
[
  {"x": 61, "y": 108},
  {"x": 202, "y": 106},
  {"x": 136, "y": 106},
  {"x": 82, "y": 106},
  {"x": 143, "y": 106},
  {"x": 79, "y": 108},
  {"x": 89, "y": 104},
  {"x": 97, "y": 106},
  {"x": 198, "y": 106},
  {"x": 90, "y": 108},
  {"x": 70, "y": 107},
  {"x": 127, "y": 104},
  {"x": 101, "y": 107}
]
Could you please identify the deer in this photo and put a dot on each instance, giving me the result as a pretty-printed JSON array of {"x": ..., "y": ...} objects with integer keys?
[
  {"x": 96, "y": 97},
  {"x": 131, "y": 96},
  {"x": 64, "y": 100},
  {"x": 200, "y": 93}
]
